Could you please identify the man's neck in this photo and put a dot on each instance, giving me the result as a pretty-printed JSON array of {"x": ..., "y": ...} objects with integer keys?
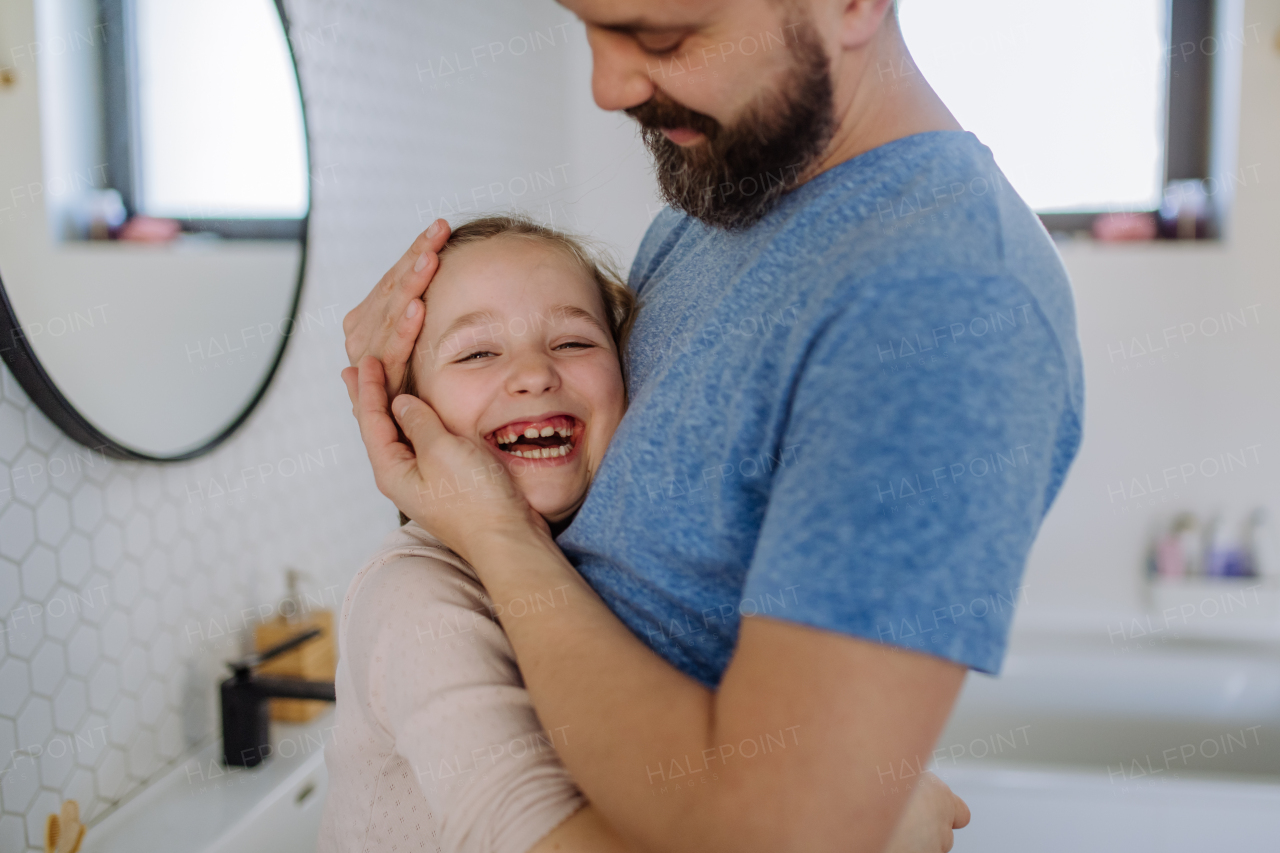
[{"x": 880, "y": 96}]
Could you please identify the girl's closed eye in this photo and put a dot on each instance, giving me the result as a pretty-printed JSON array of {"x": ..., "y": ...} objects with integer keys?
[{"x": 474, "y": 356}]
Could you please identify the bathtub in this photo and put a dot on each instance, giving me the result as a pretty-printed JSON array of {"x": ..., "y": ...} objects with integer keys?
[{"x": 1092, "y": 747}]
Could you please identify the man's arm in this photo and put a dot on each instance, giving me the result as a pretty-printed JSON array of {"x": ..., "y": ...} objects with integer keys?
[
  {"x": 827, "y": 711},
  {"x": 791, "y": 753}
]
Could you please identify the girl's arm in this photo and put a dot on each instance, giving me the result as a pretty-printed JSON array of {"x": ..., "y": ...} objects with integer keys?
[{"x": 435, "y": 671}]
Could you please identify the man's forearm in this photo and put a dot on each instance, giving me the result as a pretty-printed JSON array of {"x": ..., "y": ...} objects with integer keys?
[{"x": 623, "y": 710}]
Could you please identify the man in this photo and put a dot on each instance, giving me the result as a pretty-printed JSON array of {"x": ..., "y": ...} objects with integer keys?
[{"x": 856, "y": 390}]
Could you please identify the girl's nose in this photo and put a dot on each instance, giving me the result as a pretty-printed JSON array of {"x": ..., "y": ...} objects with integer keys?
[{"x": 532, "y": 374}]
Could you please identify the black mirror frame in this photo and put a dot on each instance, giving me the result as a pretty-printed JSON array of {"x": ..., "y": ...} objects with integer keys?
[{"x": 19, "y": 355}]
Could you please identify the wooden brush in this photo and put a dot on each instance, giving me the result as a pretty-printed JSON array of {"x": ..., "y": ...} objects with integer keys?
[{"x": 63, "y": 833}]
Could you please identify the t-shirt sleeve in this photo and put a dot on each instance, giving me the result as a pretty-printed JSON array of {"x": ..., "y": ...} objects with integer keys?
[
  {"x": 920, "y": 451},
  {"x": 442, "y": 679}
]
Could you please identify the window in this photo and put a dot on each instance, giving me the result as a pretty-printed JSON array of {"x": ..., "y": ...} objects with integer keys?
[
  {"x": 204, "y": 118},
  {"x": 1084, "y": 105}
]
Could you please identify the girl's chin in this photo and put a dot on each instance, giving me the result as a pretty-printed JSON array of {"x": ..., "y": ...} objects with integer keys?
[{"x": 552, "y": 504}]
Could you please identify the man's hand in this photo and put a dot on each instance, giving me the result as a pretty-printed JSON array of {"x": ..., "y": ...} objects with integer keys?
[
  {"x": 932, "y": 815},
  {"x": 386, "y": 324},
  {"x": 451, "y": 485}
]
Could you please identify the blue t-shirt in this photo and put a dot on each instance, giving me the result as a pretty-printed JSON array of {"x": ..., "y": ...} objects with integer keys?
[{"x": 853, "y": 415}]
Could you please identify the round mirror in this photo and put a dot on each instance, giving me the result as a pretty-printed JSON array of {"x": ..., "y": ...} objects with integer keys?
[{"x": 153, "y": 225}]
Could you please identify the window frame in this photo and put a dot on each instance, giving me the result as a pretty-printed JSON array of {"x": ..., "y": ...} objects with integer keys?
[
  {"x": 121, "y": 129},
  {"x": 1189, "y": 108}
]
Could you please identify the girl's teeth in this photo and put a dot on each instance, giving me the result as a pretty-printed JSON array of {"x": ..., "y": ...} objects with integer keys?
[
  {"x": 531, "y": 433},
  {"x": 543, "y": 452},
  {"x": 547, "y": 432}
]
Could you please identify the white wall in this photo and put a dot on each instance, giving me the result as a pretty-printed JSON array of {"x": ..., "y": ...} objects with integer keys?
[{"x": 1199, "y": 398}]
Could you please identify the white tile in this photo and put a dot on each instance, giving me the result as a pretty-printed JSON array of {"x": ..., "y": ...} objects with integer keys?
[
  {"x": 126, "y": 584},
  {"x": 91, "y": 740},
  {"x": 28, "y": 477},
  {"x": 48, "y": 666},
  {"x": 46, "y": 803},
  {"x": 162, "y": 653},
  {"x": 133, "y": 669},
  {"x": 35, "y": 721},
  {"x": 111, "y": 775},
  {"x": 143, "y": 760},
  {"x": 82, "y": 650},
  {"x": 172, "y": 606},
  {"x": 15, "y": 684},
  {"x": 119, "y": 495},
  {"x": 58, "y": 760},
  {"x": 17, "y": 531},
  {"x": 53, "y": 518},
  {"x": 146, "y": 615},
  {"x": 19, "y": 786},
  {"x": 25, "y": 629},
  {"x": 155, "y": 571},
  {"x": 74, "y": 559},
  {"x": 148, "y": 490},
  {"x": 39, "y": 573},
  {"x": 9, "y": 592},
  {"x": 86, "y": 508},
  {"x": 41, "y": 433},
  {"x": 115, "y": 635},
  {"x": 104, "y": 687},
  {"x": 13, "y": 833},
  {"x": 108, "y": 546},
  {"x": 137, "y": 536},
  {"x": 94, "y": 594},
  {"x": 169, "y": 739},
  {"x": 165, "y": 524},
  {"x": 123, "y": 721},
  {"x": 80, "y": 788},
  {"x": 62, "y": 612},
  {"x": 13, "y": 431},
  {"x": 70, "y": 704},
  {"x": 151, "y": 703},
  {"x": 8, "y": 744},
  {"x": 65, "y": 475}
]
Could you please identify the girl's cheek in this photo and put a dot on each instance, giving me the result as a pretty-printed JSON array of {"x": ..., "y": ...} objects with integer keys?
[{"x": 459, "y": 401}]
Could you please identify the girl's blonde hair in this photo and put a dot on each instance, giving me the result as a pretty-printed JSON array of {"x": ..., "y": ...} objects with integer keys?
[{"x": 620, "y": 304}]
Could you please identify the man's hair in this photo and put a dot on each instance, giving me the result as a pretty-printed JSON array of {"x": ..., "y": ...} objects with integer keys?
[{"x": 620, "y": 304}]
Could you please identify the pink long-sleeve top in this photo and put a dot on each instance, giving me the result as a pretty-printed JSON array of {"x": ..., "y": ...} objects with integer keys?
[{"x": 437, "y": 746}]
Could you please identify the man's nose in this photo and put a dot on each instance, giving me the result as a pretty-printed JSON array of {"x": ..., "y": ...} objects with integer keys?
[{"x": 620, "y": 70}]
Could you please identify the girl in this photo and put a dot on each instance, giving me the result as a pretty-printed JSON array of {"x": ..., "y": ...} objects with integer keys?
[{"x": 438, "y": 747}]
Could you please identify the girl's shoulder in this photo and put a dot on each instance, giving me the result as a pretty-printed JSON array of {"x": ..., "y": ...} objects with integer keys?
[{"x": 413, "y": 571}]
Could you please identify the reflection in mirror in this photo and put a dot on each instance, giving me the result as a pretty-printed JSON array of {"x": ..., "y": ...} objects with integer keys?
[{"x": 152, "y": 251}]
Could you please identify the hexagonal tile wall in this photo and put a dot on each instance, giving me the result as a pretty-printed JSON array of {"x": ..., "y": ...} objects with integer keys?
[{"x": 113, "y": 574}]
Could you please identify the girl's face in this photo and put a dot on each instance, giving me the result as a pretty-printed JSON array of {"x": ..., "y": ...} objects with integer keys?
[{"x": 515, "y": 351}]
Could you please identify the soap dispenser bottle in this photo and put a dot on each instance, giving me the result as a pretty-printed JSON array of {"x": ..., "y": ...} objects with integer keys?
[{"x": 314, "y": 660}]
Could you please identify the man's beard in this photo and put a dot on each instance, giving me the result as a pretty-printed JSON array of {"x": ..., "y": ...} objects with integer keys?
[{"x": 735, "y": 177}]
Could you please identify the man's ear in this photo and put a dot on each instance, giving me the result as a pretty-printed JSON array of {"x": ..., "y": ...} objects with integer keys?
[{"x": 861, "y": 21}]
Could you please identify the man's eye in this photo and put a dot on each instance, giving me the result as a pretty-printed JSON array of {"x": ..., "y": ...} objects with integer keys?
[{"x": 660, "y": 44}]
